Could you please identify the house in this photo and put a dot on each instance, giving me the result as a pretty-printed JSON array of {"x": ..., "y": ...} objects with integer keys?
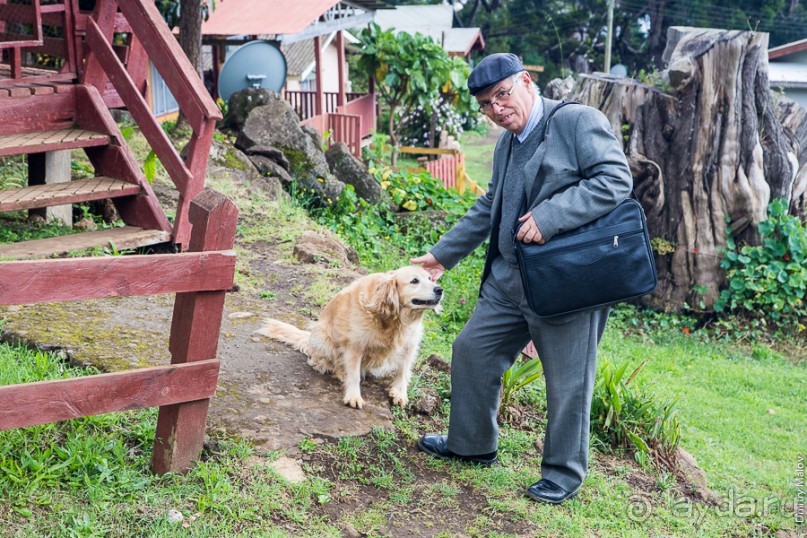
[
  {"x": 318, "y": 92},
  {"x": 787, "y": 70},
  {"x": 435, "y": 21}
]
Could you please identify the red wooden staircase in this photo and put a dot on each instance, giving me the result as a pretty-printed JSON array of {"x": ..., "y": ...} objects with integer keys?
[{"x": 62, "y": 70}]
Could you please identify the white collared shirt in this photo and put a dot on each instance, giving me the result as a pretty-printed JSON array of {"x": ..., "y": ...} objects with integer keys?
[{"x": 535, "y": 117}]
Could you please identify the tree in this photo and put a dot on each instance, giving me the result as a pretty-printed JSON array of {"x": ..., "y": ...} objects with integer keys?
[
  {"x": 408, "y": 70},
  {"x": 188, "y": 15},
  {"x": 708, "y": 151},
  {"x": 569, "y": 36}
]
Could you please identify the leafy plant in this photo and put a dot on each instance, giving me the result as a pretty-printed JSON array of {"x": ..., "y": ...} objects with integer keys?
[
  {"x": 518, "y": 376},
  {"x": 769, "y": 280},
  {"x": 408, "y": 70},
  {"x": 626, "y": 416}
]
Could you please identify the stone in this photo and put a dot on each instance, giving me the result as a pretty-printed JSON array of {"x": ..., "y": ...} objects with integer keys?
[
  {"x": 695, "y": 478},
  {"x": 241, "y": 104},
  {"x": 268, "y": 167},
  {"x": 427, "y": 402},
  {"x": 272, "y": 154},
  {"x": 436, "y": 362},
  {"x": 240, "y": 315},
  {"x": 226, "y": 160},
  {"x": 289, "y": 470},
  {"x": 350, "y": 170},
  {"x": 86, "y": 225},
  {"x": 276, "y": 125},
  {"x": 312, "y": 247}
]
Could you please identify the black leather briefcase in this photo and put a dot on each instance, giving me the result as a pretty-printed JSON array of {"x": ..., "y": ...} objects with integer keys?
[{"x": 600, "y": 263}]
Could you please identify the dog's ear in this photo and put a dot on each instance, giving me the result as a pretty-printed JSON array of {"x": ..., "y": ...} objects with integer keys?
[{"x": 383, "y": 300}]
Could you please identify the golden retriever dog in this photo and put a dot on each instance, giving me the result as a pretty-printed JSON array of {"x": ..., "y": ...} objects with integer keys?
[{"x": 374, "y": 326}]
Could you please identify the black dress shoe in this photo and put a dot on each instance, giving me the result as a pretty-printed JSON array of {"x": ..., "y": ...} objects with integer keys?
[
  {"x": 437, "y": 446},
  {"x": 546, "y": 491}
]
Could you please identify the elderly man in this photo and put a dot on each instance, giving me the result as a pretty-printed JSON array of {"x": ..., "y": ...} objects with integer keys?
[{"x": 565, "y": 172}]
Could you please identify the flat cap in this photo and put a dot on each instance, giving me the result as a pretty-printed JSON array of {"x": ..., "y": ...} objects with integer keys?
[{"x": 492, "y": 69}]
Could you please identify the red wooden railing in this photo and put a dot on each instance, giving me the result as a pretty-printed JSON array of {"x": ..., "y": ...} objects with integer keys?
[
  {"x": 162, "y": 48},
  {"x": 346, "y": 128},
  {"x": 182, "y": 390},
  {"x": 304, "y": 102},
  {"x": 449, "y": 167},
  {"x": 349, "y": 123}
]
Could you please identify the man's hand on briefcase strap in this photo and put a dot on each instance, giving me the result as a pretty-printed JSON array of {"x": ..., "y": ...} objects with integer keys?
[{"x": 528, "y": 232}]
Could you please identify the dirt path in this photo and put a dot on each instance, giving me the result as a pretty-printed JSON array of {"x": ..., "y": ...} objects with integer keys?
[{"x": 266, "y": 392}]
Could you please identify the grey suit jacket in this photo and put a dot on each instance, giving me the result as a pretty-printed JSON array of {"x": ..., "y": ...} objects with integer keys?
[{"x": 577, "y": 174}]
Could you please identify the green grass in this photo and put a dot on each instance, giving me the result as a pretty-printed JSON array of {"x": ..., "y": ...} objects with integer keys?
[{"x": 478, "y": 149}]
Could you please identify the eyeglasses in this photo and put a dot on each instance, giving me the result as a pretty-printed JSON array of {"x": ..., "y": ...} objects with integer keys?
[{"x": 501, "y": 95}]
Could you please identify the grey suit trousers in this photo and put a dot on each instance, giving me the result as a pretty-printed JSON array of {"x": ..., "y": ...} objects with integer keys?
[{"x": 499, "y": 328}]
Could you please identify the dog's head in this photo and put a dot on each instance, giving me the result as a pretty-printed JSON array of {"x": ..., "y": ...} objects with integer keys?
[{"x": 408, "y": 287}]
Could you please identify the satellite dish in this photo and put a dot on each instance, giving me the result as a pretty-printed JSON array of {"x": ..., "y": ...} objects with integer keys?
[
  {"x": 619, "y": 70},
  {"x": 256, "y": 64}
]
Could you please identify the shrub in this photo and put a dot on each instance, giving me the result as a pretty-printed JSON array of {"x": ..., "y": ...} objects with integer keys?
[
  {"x": 423, "y": 125},
  {"x": 769, "y": 281},
  {"x": 629, "y": 417}
]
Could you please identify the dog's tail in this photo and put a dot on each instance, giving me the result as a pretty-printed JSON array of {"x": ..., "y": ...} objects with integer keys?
[{"x": 288, "y": 334}]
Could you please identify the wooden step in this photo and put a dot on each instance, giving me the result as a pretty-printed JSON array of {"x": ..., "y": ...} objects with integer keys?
[
  {"x": 122, "y": 238},
  {"x": 42, "y": 141},
  {"x": 69, "y": 192}
]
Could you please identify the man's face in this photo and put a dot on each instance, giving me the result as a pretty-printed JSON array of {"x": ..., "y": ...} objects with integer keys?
[{"x": 509, "y": 103}]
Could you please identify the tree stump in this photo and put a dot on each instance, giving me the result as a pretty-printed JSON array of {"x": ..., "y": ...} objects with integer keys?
[{"x": 705, "y": 145}]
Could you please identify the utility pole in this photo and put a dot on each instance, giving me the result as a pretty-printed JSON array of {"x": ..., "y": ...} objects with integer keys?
[{"x": 610, "y": 36}]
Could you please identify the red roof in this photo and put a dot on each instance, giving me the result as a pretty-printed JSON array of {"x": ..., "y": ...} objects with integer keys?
[
  {"x": 788, "y": 48},
  {"x": 252, "y": 17}
]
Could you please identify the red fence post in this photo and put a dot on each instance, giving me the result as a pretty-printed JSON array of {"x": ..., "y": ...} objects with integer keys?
[{"x": 194, "y": 336}]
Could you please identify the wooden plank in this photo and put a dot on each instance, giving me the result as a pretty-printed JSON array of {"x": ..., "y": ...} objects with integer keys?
[
  {"x": 171, "y": 62},
  {"x": 44, "y": 402},
  {"x": 427, "y": 151},
  {"x": 37, "y": 113},
  {"x": 117, "y": 160},
  {"x": 138, "y": 107},
  {"x": 79, "y": 190},
  {"x": 104, "y": 17},
  {"x": 124, "y": 238},
  {"x": 194, "y": 336},
  {"x": 52, "y": 140},
  {"x": 66, "y": 279}
]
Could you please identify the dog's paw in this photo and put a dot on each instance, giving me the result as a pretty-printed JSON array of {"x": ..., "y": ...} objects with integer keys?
[
  {"x": 398, "y": 398},
  {"x": 354, "y": 401}
]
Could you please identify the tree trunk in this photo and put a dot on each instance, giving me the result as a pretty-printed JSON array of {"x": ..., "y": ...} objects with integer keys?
[
  {"x": 190, "y": 39},
  {"x": 712, "y": 148}
]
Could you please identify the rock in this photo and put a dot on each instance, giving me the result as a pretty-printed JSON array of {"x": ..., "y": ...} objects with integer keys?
[
  {"x": 270, "y": 168},
  {"x": 271, "y": 153},
  {"x": 349, "y": 531},
  {"x": 427, "y": 403},
  {"x": 312, "y": 247},
  {"x": 314, "y": 135},
  {"x": 226, "y": 160},
  {"x": 273, "y": 189},
  {"x": 695, "y": 478},
  {"x": 241, "y": 104},
  {"x": 240, "y": 315},
  {"x": 276, "y": 125},
  {"x": 350, "y": 170},
  {"x": 86, "y": 224},
  {"x": 438, "y": 363},
  {"x": 289, "y": 470}
]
